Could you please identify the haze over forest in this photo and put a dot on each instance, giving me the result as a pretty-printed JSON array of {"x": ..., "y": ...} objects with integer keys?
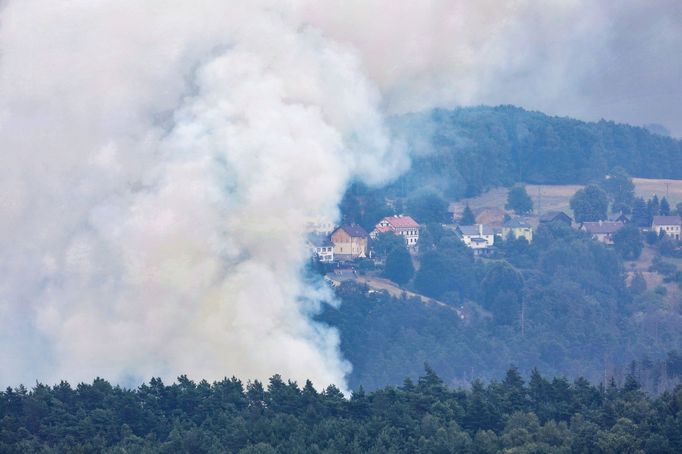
[{"x": 161, "y": 163}]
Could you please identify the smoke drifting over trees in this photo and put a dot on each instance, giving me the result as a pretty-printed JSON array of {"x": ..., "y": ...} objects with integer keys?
[
  {"x": 159, "y": 159},
  {"x": 159, "y": 165}
]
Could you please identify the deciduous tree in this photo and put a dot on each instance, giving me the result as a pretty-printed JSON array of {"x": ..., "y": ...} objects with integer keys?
[
  {"x": 518, "y": 200},
  {"x": 590, "y": 204},
  {"x": 399, "y": 266},
  {"x": 628, "y": 242}
]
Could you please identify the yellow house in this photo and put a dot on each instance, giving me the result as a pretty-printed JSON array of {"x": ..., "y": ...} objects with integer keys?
[
  {"x": 518, "y": 229},
  {"x": 350, "y": 242}
]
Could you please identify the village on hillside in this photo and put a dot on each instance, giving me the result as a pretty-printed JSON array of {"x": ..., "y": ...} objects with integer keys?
[
  {"x": 330, "y": 243},
  {"x": 348, "y": 250}
]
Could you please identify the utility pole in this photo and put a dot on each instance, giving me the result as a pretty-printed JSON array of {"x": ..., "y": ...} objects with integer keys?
[
  {"x": 539, "y": 200},
  {"x": 667, "y": 190}
]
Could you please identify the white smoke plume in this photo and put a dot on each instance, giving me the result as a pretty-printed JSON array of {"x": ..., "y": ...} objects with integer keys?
[
  {"x": 160, "y": 161},
  {"x": 159, "y": 158}
]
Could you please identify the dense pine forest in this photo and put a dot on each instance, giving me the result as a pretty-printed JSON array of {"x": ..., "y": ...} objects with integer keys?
[
  {"x": 543, "y": 415},
  {"x": 463, "y": 151}
]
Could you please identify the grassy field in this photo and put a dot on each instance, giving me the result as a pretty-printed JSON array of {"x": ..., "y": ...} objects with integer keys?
[
  {"x": 647, "y": 188},
  {"x": 556, "y": 197}
]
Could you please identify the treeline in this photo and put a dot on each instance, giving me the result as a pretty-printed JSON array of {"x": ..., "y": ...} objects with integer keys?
[
  {"x": 561, "y": 303},
  {"x": 464, "y": 151},
  {"x": 418, "y": 416}
]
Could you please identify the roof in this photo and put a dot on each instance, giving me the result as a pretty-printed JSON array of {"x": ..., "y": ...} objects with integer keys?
[
  {"x": 401, "y": 222},
  {"x": 621, "y": 217},
  {"x": 553, "y": 215},
  {"x": 320, "y": 240},
  {"x": 516, "y": 224},
  {"x": 473, "y": 230},
  {"x": 602, "y": 227},
  {"x": 382, "y": 229},
  {"x": 353, "y": 230},
  {"x": 667, "y": 220}
]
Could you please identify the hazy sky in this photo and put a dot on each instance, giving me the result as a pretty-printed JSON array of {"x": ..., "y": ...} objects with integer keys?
[
  {"x": 591, "y": 59},
  {"x": 160, "y": 159}
]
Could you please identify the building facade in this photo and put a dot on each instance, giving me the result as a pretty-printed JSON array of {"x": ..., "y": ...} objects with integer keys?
[
  {"x": 478, "y": 237},
  {"x": 602, "y": 231},
  {"x": 401, "y": 225},
  {"x": 350, "y": 242},
  {"x": 670, "y": 225},
  {"x": 518, "y": 229},
  {"x": 321, "y": 248}
]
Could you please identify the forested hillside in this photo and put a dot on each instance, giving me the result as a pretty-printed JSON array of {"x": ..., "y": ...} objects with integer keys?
[
  {"x": 561, "y": 303},
  {"x": 464, "y": 151},
  {"x": 422, "y": 416}
]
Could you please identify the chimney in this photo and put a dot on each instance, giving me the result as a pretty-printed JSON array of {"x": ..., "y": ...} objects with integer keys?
[{"x": 480, "y": 229}]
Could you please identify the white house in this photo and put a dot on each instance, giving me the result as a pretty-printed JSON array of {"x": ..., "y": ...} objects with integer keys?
[
  {"x": 478, "y": 237},
  {"x": 671, "y": 225},
  {"x": 602, "y": 231},
  {"x": 321, "y": 248},
  {"x": 401, "y": 225}
]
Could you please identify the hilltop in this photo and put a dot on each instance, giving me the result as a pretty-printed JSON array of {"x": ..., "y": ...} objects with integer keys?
[
  {"x": 568, "y": 302},
  {"x": 465, "y": 151}
]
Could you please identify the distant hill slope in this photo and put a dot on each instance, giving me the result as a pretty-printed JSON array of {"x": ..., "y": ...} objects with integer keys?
[{"x": 466, "y": 150}]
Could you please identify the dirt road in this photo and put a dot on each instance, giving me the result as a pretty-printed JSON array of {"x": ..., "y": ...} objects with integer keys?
[{"x": 376, "y": 283}]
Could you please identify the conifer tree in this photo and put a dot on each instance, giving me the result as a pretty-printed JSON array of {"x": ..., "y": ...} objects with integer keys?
[
  {"x": 468, "y": 217},
  {"x": 640, "y": 215}
]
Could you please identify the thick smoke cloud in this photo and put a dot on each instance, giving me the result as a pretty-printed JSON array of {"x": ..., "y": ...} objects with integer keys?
[
  {"x": 589, "y": 59},
  {"x": 160, "y": 162},
  {"x": 159, "y": 159}
]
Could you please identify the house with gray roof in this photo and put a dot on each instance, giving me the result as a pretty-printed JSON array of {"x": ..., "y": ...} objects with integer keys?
[
  {"x": 478, "y": 237},
  {"x": 670, "y": 225},
  {"x": 517, "y": 228},
  {"x": 555, "y": 216},
  {"x": 602, "y": 231},
  {"x": 350, "y": 242}
]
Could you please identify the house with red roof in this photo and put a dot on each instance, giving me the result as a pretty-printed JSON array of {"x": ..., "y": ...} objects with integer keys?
[{"x": 400, "y": 225}]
